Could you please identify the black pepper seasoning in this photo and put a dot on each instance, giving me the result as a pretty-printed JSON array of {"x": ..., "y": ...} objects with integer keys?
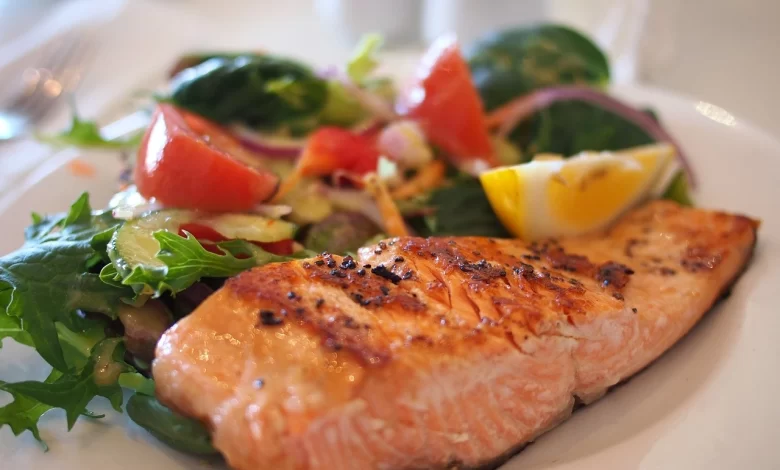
[
  {"x": 385, "y": 290},
  {"x": 382, "y": 271},
  {"x": 319, "y": 262},
  {"x": 361, "y": 272},
  {"x": 399, "y": 259},
  {"x": 319, "y": 303},
  {"x": 348, "y": 263},
  {"x": 268, "y": 318},
  {"x": 258, "y": 384},
  {"x": 291, "y": 295}
]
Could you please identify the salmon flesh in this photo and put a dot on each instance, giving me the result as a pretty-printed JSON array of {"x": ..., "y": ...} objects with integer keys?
[{"x": 440, "y": 352}]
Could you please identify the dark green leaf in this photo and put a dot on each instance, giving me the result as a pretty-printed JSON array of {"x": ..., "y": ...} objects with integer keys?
[
  {"x": 259, "y": 91},
  {"x": 678, "y": 190},
  {"x": 570, "y": 127},
  {"x": 11, "y": 327},
  {"x": 508, "y": 64},
  {"x": 72, "y": 391},
  {"x": 48, "y": 278},
  {"x": 462, "y": 209},
  {"x": 181, "y": 433},
  {"x": 23, "y": 413}
]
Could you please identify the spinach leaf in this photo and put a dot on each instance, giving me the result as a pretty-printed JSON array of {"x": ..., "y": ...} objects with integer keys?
[
  {"x": 196, "y": 58},
  {"x": 50, "y": 277},
  {"x": 570, "y": 127},
  {"x": 177, "y": 431},
  {"x": 461, "y": 209},
  {"x": 262, "y": 92},
  {"x": 510, "y": 63}
]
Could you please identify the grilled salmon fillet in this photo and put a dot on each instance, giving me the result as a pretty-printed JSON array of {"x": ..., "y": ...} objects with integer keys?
[{"x": 440, "y": 352}]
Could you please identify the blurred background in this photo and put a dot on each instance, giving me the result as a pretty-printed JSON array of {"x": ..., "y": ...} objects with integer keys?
[{"x": 718, "y": 51}]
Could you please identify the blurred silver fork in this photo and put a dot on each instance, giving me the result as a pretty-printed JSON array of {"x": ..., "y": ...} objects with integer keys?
[{"x": 61, "y": 65}]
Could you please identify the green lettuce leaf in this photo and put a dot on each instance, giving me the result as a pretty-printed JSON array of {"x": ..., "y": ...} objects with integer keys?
[
  {"x": 11, "y": 327},
  {"x": 86, "y": 134},
  {"x": 186, "y": 261},
  {"x": 363, "y": 60},
  {"x": 49, "y": 278},
  {"x": 71, "y": 391}
]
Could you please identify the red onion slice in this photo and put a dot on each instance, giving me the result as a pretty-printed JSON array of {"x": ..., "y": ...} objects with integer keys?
[
  {"x": 271, "y": 147},
  {"x": 508, "y": 116}
]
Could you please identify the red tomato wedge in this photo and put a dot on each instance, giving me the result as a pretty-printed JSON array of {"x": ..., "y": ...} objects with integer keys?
[
  {"x": 188, "y": 162},
  {"x": 444, "y": 101},
  {"x": 333, "y": 150},
  {"x": 209, "y": 237},
  {"x": 330, "y": 149}
]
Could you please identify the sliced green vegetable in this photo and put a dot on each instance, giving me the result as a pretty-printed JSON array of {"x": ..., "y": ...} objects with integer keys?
[
  {"x": 262, "y": 92},
  {"x": 177, "y": 431},
  {"x": 510, "y": 63},
  {"x": 679, "y": 190}
]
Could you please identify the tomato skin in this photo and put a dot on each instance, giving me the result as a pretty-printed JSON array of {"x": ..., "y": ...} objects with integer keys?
[
  {"x": 329, "y": 149},
  {"x": 185, "y": 161},
  {"x": 445, "y": 103},
  {"x": 208, "y": 237},
  {"x": 282, "y": 247}
]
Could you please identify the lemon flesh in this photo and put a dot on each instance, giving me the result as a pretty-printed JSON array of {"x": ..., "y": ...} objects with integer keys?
[{"x": 551, "y": 196}]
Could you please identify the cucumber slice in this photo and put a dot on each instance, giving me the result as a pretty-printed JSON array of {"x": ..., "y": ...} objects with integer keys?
[
  {"x": 249, "y": 227},
  {"x": 134, "y": 245}
]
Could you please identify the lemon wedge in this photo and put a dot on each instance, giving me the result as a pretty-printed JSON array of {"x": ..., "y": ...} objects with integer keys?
[{"x": 552, "y": 196}]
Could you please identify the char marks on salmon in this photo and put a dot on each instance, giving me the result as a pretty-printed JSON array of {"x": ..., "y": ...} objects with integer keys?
[{"x": 421, "y": 353}]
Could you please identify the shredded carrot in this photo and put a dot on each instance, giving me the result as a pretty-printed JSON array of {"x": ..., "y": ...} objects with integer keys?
[
  {"x": 429, "y": 177},
  {"x": 392, "y": 219},
  {"x": 79, "y": 167},
  {"x": 286, "y": 186}
]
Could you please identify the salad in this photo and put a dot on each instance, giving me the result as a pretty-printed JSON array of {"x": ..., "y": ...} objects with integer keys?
[{"x": 251, "y": 158}]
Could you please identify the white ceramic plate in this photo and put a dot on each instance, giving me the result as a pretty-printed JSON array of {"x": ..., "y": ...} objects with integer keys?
[{"x": 710, "y": 403}]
